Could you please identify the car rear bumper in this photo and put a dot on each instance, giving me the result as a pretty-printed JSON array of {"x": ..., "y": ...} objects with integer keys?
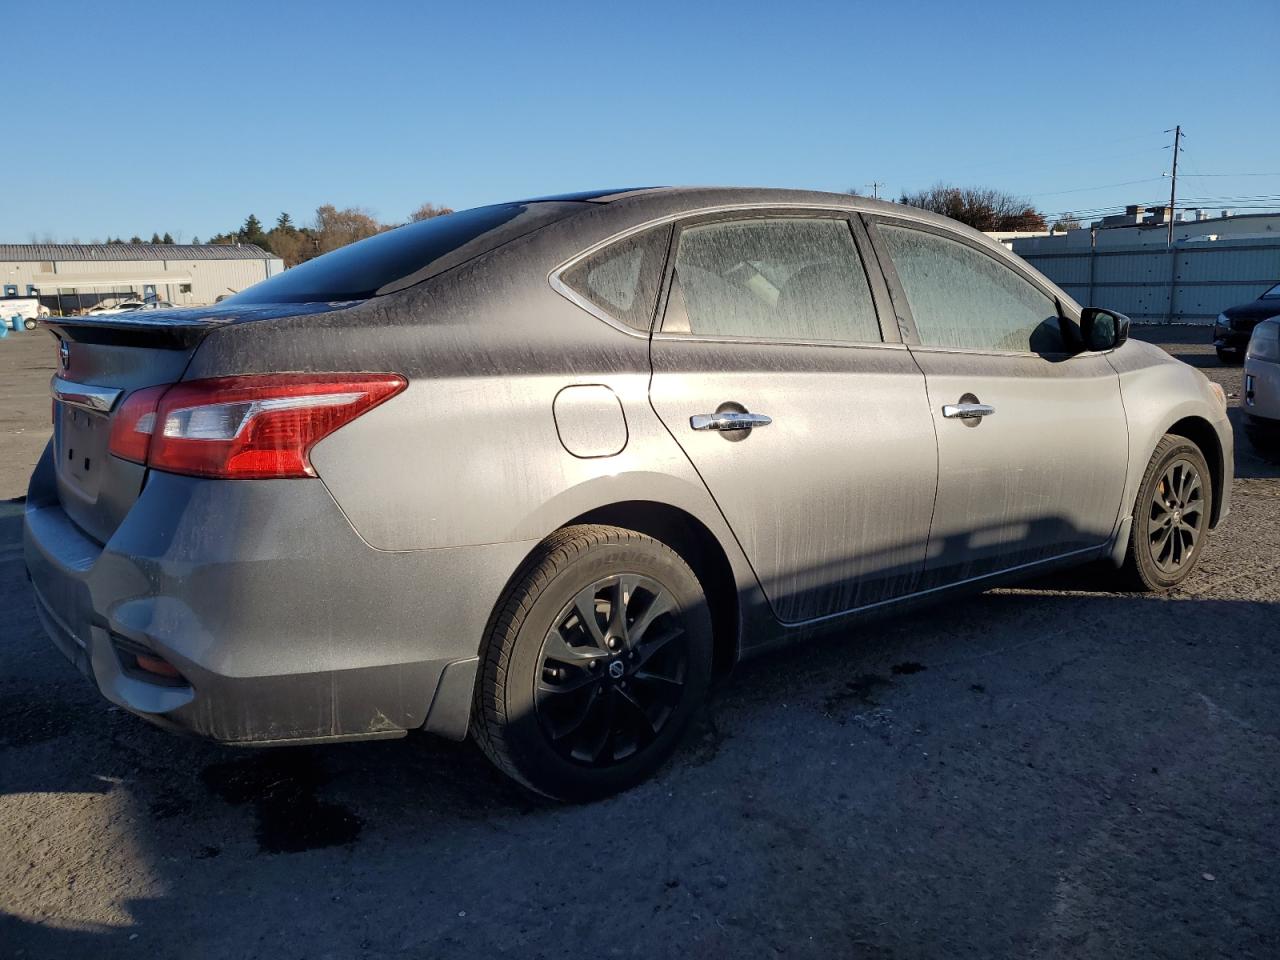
[
  {"x": 283, "y": 623},
  {"x": 1261, "y": 400}
]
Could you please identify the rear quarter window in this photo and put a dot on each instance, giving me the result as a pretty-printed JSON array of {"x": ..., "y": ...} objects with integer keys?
[{"x": 622, "y": 279}]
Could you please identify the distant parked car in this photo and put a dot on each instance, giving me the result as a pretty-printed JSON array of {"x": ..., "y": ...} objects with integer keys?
[
  {"x": 1234, "y": 325},
  {"x": 125, "y": 306},
  {"x": 539, "y": 471},
  {"x": 1262, "y": 388}
]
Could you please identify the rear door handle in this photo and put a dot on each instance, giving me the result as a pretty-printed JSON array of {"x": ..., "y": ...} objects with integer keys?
[
  {"x": 967, "y": 411},
  {"x": 728, "y": 420}
]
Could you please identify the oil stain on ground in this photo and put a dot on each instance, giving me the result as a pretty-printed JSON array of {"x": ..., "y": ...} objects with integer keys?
[
  {"x": 281, "y": 786},
  {"x": 862, "y": 690},
  {"x": 899, "y": 669},
  {"x": 26, "y": 719}
]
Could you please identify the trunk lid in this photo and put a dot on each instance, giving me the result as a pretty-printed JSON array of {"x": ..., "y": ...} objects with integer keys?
[{"x": 101, "y": 360}]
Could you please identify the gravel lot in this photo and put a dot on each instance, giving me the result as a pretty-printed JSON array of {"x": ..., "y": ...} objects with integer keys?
[{"x": 1041, "y": 772}]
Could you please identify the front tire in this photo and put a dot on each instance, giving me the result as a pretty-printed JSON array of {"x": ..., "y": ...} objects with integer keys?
[
  {"x": 1170, "y": 516},
  {"x": 594, "y": 663}
]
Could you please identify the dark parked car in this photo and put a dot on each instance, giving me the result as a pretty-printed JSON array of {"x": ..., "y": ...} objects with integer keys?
[
  {"x": 1234, "y": 326},
  {"x": 540, "y": 471}
]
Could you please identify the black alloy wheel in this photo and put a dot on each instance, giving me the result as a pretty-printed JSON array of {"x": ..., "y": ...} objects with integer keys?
[
  {"x": 597, "y": 658},
  {"x": 611, "y": 670}
]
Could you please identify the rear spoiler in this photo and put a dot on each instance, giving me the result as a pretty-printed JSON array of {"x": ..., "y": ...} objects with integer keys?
[
  {"x": 177, "y": 329},
  {"x": 115, "y": 331}
]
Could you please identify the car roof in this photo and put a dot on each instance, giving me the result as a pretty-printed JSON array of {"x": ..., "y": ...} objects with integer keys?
[
  {"x": 620, "y": 211},
  {"x": 667, "y": 201}
]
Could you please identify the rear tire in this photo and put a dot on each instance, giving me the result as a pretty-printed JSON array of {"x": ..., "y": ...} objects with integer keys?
[
  {"x": 595, "y": 661},
  {"x": 1170, "y": 517}
]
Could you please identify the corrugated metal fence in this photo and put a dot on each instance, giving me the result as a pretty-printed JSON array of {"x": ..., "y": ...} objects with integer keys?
[{"x": 1186, "y": 283}]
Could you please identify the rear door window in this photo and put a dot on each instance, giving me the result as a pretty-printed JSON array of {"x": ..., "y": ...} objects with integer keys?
[
  {"x": 778, "y": 278},
  {"x": 964, "y": 299}
]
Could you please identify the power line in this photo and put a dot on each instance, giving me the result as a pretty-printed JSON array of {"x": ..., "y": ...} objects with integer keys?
[
  {"x": 1231, "y": 174},
  {"x": 1101, "y": 186}
]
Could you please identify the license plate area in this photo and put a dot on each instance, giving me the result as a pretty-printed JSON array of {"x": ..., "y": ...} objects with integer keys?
[{"x": 81, "y": 448}]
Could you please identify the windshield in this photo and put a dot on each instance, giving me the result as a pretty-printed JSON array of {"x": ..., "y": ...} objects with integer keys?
[
  {"x": 1273, "y": 292},
  {"x": 407, "y": 255}
]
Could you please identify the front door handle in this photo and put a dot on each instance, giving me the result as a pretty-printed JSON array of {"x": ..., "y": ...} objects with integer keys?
[
  {"x": 967, "y": 411},
  {"x": 728, "y": 420}
]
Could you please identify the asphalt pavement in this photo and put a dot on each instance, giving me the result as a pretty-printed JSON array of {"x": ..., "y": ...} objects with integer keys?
[{"x": 1049, "y": 771}]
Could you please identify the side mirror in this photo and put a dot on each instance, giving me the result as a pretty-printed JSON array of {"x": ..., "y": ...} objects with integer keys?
[{"x": 1103, "y": 329}]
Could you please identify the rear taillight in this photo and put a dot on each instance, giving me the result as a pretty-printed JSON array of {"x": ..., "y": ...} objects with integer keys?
[
  {"x": 250, "y": 427},
  {"x": 133, "y": 424}
]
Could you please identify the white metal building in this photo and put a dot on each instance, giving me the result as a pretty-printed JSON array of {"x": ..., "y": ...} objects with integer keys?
[
  {"x": 1140, "y": 226},
  {"x": 69, "y": 277}
]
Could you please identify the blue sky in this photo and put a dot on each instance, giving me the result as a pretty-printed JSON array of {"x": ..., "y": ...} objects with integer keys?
[{"x": 185, "y": 116}]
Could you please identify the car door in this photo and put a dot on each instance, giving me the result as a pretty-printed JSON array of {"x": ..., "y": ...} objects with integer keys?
[
  {"x": 1032, "y": 436},
  {"x": 809, "y": 427}
]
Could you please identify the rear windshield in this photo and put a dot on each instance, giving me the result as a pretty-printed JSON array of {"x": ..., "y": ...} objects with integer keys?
[{"x": 407, "y": 255}]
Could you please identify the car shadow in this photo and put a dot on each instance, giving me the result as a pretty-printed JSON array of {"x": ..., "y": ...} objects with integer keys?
[{"x": 811, "y": 770}]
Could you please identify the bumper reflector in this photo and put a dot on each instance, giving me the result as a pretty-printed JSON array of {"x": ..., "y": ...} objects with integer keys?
[{"x": 143, "y": 664}]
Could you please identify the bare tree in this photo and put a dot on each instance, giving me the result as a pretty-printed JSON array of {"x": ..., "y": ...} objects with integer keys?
[
  {"x": 427, "y": 211},
  {"x": 293, "y": 247},
  {"x": 980, "y": 207},
  {"x": 336, "y": 228}
]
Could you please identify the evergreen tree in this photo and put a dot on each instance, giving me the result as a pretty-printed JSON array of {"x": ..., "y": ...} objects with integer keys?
[
  {"x": 166, "y": 238},
  {"x": 135, "y": 239},
  {"x": 155, "y": 238},
  {"x": 252, "y": 232}
]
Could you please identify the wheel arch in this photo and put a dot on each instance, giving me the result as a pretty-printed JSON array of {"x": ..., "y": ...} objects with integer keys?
[
  {"x": 698, "y": 546},
  {"x": 1202, "y": 433}
]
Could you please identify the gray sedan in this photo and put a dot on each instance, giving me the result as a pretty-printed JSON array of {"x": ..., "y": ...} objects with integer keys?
[{"x": 539, "y": 472}]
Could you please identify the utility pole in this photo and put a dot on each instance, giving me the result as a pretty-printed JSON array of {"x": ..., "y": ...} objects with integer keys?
[
  {"x": 1173, "y": 185},
  {"x": 875, "y": 186}
]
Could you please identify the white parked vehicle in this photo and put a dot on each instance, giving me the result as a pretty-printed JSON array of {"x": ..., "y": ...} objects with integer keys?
[
  {"x": 27, "y": 309},
  {"x": 124, "y": 306},
  {"x": 1262, "y": 388}
]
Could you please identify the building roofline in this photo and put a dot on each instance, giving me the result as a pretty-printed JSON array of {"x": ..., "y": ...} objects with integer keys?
[{"x": 114, "y": 252}]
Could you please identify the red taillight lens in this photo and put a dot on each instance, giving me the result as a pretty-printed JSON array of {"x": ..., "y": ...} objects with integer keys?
[
  {"x": 259, "y": 426},
  {"x": 243, "y": 428},
  {"x": 133, "y": 424}
]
